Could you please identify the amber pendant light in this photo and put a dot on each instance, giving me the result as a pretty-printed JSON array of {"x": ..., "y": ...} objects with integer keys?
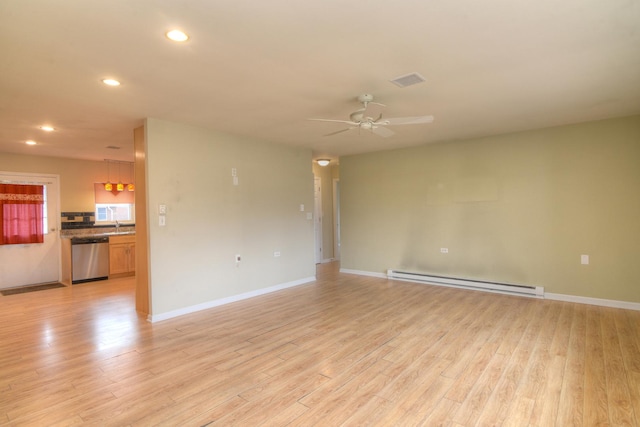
[
  {"x": 131, "y": 186},
  {"x": 108, "y": 186},
  {"x": 120, "y": 185}
]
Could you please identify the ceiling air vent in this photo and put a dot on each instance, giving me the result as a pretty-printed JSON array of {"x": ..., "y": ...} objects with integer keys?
[
  {"x": 408, "y": 80},
  {"x": 112, "y": 147}
]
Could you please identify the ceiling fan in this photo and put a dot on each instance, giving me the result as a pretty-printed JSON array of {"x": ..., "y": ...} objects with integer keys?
[{"x": 370, "y": 118}]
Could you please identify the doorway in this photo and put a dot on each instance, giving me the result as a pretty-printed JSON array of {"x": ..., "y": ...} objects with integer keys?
[{"x": 317, "y": 206}]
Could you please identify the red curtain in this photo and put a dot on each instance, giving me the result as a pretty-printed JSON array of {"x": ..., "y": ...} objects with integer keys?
[{"x": 21, "y": 214}]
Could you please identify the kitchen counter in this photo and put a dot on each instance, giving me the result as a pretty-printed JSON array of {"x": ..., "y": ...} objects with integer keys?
[
  {"x": 123, "y": 240},
  {"x": 109, "y": 234},
  {"x": 122, "y": 254},
  {"x": 125, "y": 230}
]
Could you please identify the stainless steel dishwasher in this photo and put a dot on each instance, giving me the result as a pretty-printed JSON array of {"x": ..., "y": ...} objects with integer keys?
[{"x": 89, "y": 259}]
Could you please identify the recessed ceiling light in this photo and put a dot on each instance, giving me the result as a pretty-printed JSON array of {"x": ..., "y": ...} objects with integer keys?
[
  {"x": 47, "y": 128},
  {"x": 30, "y": 142},
  {"x": 177, "y": 36},
  {"x": 111, "y": 82}
]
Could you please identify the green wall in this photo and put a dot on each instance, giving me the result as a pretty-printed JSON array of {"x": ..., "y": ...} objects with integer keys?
[
  {"x": 209, "y": 219},
  {"x": 518, "y": 208}
]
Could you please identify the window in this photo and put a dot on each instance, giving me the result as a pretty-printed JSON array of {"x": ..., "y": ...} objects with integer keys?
[
  {"x": 45, "y": 216},
  {"x": 112, "y": 206},
  {"x": 112, "y": 212},
  {"x": 21, "y": 214}
]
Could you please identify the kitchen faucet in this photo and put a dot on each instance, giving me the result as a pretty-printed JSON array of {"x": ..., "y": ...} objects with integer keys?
[{"x": 117, "y": 226}]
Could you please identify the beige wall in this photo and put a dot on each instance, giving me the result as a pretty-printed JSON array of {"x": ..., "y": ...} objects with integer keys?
[
  {"x": 209, "y": 220},
  {"x": 76, "y": 177},
  {"x": 517, "y": 208}
]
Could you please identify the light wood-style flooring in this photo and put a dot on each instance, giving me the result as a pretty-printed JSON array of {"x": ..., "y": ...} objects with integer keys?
[{"x": 344, "y": 350}]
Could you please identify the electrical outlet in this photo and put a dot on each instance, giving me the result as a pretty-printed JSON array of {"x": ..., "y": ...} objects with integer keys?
[
  {"x": 584, "y": 259},
  {"x": 444, "y": 250},
  {"x": 276, "y": 254}
]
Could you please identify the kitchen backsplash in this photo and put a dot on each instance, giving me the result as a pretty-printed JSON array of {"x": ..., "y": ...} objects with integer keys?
[
  {"x": 79, "y": 223},
  {"x": 71, "y": 220}
]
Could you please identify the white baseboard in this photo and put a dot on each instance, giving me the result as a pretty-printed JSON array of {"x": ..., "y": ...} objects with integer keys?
[
  {"x": 363, "y": 273},
  {"x": 204, "y": 306},
  {"x": 215, "y": 303},
  {"x": 594, "y": 301},
  {"x": 627, "y": 305}
]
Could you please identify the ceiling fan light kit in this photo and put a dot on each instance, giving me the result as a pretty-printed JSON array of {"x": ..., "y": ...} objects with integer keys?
[
  {"x": 323, "y": 162},
  {"x": 370, "y": 118},
  {"x": 365, "y": 98}
]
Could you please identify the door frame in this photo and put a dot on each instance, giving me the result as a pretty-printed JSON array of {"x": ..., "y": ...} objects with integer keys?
[
  {"x": 53, "y": 216},
  {"x": 336, "y": 218},
  {"x": 317, "y": 222}
]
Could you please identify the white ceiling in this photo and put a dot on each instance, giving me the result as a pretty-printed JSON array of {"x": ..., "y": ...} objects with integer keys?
[{"x": 262, "y": 68}]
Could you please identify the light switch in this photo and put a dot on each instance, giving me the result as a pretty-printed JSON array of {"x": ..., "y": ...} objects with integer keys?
[
  {"x": 162, "y": 220},
  {"x": 301, "y": 208},
  {"x": 584, "y": 259},
  {"x": 309, "y": 215}
]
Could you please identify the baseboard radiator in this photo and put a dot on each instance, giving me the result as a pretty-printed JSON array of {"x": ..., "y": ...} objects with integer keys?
[{"x": 503, "y": 288}]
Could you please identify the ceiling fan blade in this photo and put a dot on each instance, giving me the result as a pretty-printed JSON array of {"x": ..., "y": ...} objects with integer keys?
[
  {"x": 335, "y": 121},
  {"x": 340, "y": 131},
  {"x": 373, "y": 110},
  {"x": 382, "y": 131},
  {"x": 408, "y": 120}
]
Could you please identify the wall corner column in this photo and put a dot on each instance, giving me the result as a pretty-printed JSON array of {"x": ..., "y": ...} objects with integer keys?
[{"x": 143, "y": 294}]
